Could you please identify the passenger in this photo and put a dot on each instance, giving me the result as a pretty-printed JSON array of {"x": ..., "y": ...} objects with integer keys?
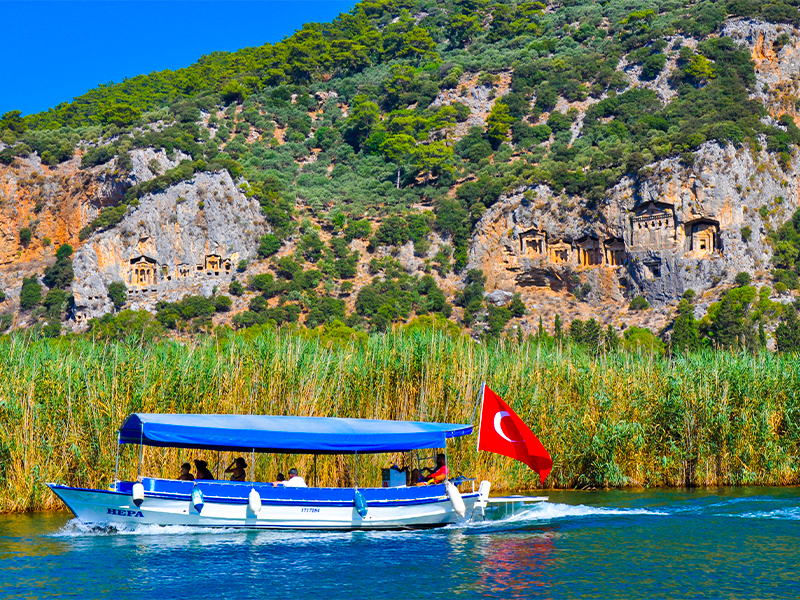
[
  {"x": 186, "y": 474},
  {"x": 441, "y": 472},
  {"x": 201, "y": 468},
  {"x": 294, "y": 479},
  {"x": 416, "y": 478},
  {"x": 236, "y": 469},
  {"x": 280, "y": 478}
]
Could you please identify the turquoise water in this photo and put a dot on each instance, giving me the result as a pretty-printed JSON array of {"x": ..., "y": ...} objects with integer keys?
[{"x": 727, "y": 543}]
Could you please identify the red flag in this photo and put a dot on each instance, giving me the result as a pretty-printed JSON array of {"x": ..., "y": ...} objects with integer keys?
[{"x": 501, "y": 431}]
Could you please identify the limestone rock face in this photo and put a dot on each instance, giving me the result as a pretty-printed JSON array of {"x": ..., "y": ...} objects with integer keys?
[
  {"x": 185, "y": 240},
  {"x": 680, "y": 228}
]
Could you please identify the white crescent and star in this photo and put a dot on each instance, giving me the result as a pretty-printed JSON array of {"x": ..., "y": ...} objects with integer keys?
[{"x": 498, "y": 417}]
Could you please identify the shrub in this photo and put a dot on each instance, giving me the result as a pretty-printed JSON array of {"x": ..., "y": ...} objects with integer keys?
[
  {"x": 54, "y": 302},
  {"x": 31, "y": 293},
  {"x": 60, "y": 275},
  {"x": 222, "y": 303},
  {"x": 127, "y": 324},
  {"x": 742, "y": 278},
  {"x": 268, "y": 245},
  {"x": 746, "y": 233},
  {"x": 639, "y": 303},
  {"x": 2, "y": 296},
  {"x": 235, "y": 288},
  {"x": 118, "y": 294},
  {"x": 25, "y": 235}
]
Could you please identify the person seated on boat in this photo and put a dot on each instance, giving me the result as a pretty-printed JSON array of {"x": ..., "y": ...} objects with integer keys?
[
  {"x": 280, "y": 478},
  {"x": 441, "y": 472},
  {"x": 294, "y": 479},
  {"x": 201, "y": 468},
  {"x": 416, "y": 478},
  {"x": 186, "y": 474},
  {"x": 236, "y": 469}
]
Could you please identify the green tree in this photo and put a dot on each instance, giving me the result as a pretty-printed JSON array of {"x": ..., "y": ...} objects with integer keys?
[
  {"x": 55, "y": 302},
  {"x": 685, "y": 332},
  {"x": 611, "y": 339},
  {"x": 576, "y": 331},
  {"x": 235, "y": 288},
  {"x": 592, "y": 335},
  {"x": 120, "y": 115},
  {"x": 399, "y": 149},
  {"x": 498, "y": 124},
  {"x": 25, "y": 235},
  {"x": 222, "y": 303},
  {"x": 558, "y": 333},
  {"x": 787, "y": 334},
  {"x": 31, "y": 293},
  {"x": 12, "y": 120},
  {"x": 118, "y": 293},
  {"x": 61, "y": 274},
  {"x": 727, "y": 326},
  {"x": 138, "y": 325},
  {"x": 268, "y": 245}
]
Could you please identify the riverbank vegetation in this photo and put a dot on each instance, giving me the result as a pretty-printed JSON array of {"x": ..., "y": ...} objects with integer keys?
[{"x": 623, "y": 418}]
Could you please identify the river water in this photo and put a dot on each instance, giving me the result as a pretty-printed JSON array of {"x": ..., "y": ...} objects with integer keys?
[{"x": 722, "y": 543}]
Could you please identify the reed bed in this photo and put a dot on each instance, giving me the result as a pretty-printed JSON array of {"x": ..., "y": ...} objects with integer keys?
[{"x": 711, "y": 418}]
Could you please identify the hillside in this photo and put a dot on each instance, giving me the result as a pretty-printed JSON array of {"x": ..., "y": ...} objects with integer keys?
[{"x": 507, "y": 166}]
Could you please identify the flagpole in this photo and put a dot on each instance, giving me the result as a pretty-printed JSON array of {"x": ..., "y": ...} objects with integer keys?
[{"x": 480, "y": 401}]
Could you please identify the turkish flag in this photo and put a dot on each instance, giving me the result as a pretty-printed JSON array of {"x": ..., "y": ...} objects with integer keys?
[{"x": 501, "y": 431}]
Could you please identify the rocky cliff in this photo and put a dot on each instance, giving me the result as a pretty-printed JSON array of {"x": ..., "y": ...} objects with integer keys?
[
  {"x": 678, "y": 224},
  {"x": 186, "y": 240}
]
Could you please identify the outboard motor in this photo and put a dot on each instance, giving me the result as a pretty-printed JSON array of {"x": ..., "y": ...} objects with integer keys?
[{"x": 137, "y": 493}]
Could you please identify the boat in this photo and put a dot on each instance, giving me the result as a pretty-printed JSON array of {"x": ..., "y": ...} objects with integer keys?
[{"x": 259, "y": 505}]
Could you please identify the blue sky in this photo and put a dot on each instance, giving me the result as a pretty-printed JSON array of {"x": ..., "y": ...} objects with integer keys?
[{"x": 51, "y": 52}]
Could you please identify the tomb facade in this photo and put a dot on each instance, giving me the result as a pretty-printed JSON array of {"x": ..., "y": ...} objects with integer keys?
[
  {"x": 586, "y": 251},
  {"x": 653, "y": 227},
  {"x": 703, "y": 237},
  {"x": 143, "y": 271}
]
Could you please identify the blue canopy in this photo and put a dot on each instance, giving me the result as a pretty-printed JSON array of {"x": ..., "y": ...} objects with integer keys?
[{"x": 290, "y": 435}]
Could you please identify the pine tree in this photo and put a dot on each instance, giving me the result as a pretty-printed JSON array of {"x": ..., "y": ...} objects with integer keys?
[
  {"x": 592, "y": 334},
  {"x": 611, "y": 339},
  {"x": 787, "y": 334},
  {"x": 728, "y": 327},
  {"x": 557, "y": 328},
  {"x": 685, "y": 334},
  {"x": 576, "y": 331}
]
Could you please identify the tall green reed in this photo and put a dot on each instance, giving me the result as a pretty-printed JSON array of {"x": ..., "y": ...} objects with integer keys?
[{"x": 623, "y": 419}]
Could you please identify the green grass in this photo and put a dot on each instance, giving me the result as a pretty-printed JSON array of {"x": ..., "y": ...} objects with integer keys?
[{"x": 618, "y": 420}]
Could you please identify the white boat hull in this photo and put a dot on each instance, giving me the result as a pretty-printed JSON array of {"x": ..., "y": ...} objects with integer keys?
[{"x": 115, "y": 507}]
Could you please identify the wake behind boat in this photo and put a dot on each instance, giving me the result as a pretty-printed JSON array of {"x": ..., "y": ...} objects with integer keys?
[{"x": 251, "y": 504}]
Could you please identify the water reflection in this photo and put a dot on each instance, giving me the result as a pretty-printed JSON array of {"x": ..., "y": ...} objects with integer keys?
[{"x": 516, "y": 562}]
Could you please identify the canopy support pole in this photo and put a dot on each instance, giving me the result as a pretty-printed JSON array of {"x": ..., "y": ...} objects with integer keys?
[
  {"x": 477, "y": 402},
  {"x": 141, "y": 453},
  {"x": 116, "y": 465},
  {"x": 315, "y": 471},
  {"x": 252, "y": 466},
  {"x": 355, "y": 462},
  {"x": 217, "y": 469},
  {"x": 446, "y": 462}
]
